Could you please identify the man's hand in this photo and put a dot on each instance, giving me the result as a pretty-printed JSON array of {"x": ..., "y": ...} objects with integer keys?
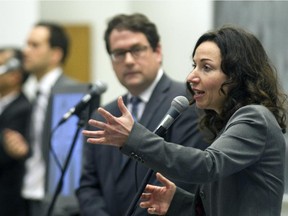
[{"x": 15, "y": 144}]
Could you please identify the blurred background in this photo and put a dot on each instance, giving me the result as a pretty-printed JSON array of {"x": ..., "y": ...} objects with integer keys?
[{"x": 180, "y": 23}]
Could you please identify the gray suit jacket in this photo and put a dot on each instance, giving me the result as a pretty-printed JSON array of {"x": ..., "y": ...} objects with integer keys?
[
  {"x": 241, "y": 173},
  {"x": 61, "y": 206},
  {"x": 106, "y": 187},
  {"x": 63, "y": 80}
]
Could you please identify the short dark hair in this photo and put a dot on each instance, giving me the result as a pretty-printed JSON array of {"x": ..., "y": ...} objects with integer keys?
[
  {"x": 58, "y": 37},
  {"x": 136, "y": 23}
]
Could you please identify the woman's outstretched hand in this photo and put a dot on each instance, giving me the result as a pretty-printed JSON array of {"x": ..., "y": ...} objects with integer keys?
[
  {"x": 157, "y": 199},
  {"x": 116, "y": 129}
]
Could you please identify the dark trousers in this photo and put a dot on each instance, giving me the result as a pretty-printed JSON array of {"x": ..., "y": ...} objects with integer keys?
[{"x": 34, "y": 208}]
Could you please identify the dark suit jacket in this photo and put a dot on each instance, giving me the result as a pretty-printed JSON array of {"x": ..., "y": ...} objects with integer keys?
[
  {"x": 16, "y": 117},
  {"x": 106, "y": 187},
  {"x": 241, "y": 172}
]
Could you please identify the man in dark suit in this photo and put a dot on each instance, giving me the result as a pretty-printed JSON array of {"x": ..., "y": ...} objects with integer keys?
[
  {"x": 14, "y": 119},
  {"x": 45, "y": 52},
  {"x": 110, "y": 180}
]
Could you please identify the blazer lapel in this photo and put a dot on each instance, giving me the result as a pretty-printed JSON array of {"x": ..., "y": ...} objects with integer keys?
[
  {"x": 153, "y": 113},
  {"x": 150, "y": 117}
]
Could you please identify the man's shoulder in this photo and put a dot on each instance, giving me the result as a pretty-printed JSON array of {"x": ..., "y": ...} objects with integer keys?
[
  {"x": 111, "y": 106},
  {"x": 66, "y": 80}
]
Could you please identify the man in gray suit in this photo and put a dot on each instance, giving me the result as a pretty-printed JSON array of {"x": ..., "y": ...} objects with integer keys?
[
  {"x": 110, "y": 180},
  {"x": 44, "y": 54}
]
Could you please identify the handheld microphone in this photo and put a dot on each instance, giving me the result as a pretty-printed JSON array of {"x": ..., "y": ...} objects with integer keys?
[
  {"x": 178, "y": 105},
  {"x": 96, "y": 89},
  {"x": 11, "y": 64}
]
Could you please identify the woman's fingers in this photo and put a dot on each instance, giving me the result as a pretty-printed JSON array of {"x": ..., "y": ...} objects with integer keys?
[
  {"x": 121, "y": 105},
  {"x": 163, "y": 180},
  {"x": 153, "y": 211},
  {"x": 114, "y": 131},
  {"x": 145, "y": 203}
]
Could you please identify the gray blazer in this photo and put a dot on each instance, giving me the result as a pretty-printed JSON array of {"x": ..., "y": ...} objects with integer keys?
[{"x": 241, "y": 173}]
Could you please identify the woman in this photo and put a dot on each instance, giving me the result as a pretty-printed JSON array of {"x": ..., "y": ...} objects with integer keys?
[{"x": 242, "y": 172}]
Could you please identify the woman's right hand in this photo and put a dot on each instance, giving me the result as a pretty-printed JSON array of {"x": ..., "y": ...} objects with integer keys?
[{"x": 157, "y": 199}]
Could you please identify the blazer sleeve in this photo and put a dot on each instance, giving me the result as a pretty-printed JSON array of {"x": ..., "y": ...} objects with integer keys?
[
  {"x": 240, "y": 145},
  {"x": 182, "y": 203}
]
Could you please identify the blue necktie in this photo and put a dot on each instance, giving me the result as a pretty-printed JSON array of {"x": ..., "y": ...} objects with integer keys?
[{"x": 134, "y": 111}]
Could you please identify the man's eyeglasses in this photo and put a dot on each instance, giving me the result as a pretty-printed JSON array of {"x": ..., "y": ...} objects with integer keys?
[{"x": 136, "y": 52}]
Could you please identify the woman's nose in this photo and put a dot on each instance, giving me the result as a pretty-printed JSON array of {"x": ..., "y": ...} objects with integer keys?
[{"x": 192, "y": 77}]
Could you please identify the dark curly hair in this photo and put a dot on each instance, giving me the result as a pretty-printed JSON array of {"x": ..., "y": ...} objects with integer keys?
[
  {"x": 252, "y": 79},
  {"x": 136, "y": 23}
]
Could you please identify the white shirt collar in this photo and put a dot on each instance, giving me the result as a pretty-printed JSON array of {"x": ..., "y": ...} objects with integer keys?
[
  {"x": 48, "y": 80},
  {"x": 145, "y": 95}
]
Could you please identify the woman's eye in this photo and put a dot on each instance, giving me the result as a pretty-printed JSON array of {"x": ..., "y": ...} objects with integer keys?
[{"x": 207, "y": 68}]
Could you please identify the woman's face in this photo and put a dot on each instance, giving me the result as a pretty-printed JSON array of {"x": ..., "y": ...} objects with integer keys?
[{"x": 207, "y": 77}]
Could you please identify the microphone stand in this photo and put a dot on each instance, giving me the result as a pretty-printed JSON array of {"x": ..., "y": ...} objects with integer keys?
[
  {"x": 160, "y": 132},
  {"x": 81, "y": 122},
  {"x": 59, "y": 186},
  {"x": 133, "y": 204}
]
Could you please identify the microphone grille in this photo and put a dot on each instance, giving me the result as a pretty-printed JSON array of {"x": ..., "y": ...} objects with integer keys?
[
  {"x": 180, "y": 103},
  {"x": 99, "y": 87}
]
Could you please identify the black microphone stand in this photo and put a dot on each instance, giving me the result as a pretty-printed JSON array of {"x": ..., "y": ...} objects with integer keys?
[
  {"x": 137, "y": 196},
  {"x": 80, "y": 124}
]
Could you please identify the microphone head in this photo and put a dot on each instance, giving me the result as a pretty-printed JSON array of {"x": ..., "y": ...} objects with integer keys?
[
  {"x": 11, "y": 64},
  {"x": 99, "y": 87},
  {"x": 180, "y": 103}
]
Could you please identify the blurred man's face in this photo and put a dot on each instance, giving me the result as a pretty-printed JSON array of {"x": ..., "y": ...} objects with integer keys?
[
  {"x": 38, "y": 54},
  {"x": 134, "y": 62}
]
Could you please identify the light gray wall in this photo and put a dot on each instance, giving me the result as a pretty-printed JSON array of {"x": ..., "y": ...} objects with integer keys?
[{"x": 16, "y": 20}]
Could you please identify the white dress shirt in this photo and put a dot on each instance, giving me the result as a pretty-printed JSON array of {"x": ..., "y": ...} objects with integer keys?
[
  {"x": 34, "y": 179},
  {"x": 145, "y": 96}
]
